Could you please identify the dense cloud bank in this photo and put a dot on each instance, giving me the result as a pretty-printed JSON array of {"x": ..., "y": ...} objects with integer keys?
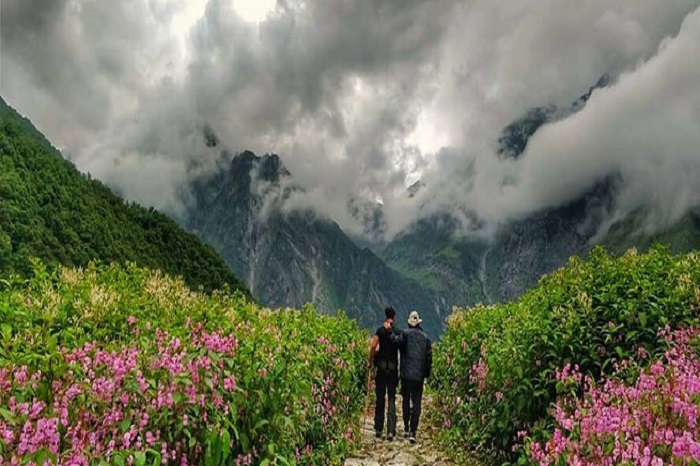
[{"x": 361, "y": 99}]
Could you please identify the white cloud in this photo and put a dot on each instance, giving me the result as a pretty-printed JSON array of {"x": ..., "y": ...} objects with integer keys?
[
  {"x": 646, "y": 128},
  {"x": 361, "y": 98}
]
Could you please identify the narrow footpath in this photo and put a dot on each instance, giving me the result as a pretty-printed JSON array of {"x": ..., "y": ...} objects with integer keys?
[{"x": 400, "y": 452}]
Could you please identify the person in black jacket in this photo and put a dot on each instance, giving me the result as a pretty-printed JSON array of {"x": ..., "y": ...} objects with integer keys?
[
  {"x": 416, "y": 364},
  {"x": 386, "y": 362}
]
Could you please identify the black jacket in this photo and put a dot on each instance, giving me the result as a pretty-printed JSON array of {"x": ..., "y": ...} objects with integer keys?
[{"x": 416, "y": 353}]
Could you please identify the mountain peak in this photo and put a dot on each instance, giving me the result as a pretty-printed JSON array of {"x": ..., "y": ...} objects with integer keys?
[
  {"x": 210, "y": 137},
  {"x": 293, "y": 256},
  {"x": 514, "y": 137},
  {"x": 246, "y": 156},
  {"x": 271, "y": 168},
  {"x": 414, "y": 188}
]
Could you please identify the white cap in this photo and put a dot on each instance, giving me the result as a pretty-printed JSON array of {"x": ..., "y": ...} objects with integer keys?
[{"x": 414, "y": 319}]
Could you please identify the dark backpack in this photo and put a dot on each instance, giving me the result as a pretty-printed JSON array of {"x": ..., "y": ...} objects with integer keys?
[{"x": 385, "y": 365}]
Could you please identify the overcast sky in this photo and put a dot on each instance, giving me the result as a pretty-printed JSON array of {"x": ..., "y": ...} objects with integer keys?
[{"x": 363, "y": 97}]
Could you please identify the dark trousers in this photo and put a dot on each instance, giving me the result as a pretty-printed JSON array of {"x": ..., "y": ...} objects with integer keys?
[
  {"x": 385, "y": 387},
  {"x": 412, "y": 394}
]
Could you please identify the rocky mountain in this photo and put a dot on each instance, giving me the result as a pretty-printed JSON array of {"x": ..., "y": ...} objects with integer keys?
[
  {"x": 529, "y": 248},
  {"x": 681, "y": 237},
  {"x": 431, "y": 253},
  {"x": 291, "y": 257},
  {"x": 514, "y": 137},
  {"x": 465, "y": 270}
]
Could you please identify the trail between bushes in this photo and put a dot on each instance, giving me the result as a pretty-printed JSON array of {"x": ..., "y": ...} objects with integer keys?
[{"x": 400, "y": 452}]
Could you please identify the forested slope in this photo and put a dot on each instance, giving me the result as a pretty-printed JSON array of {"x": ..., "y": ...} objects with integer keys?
[{"x": 49, "y": 210}]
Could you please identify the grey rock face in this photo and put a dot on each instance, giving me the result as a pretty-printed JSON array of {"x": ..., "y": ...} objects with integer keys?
[
  {"x": 289, "y": 258},
  {"x": 465, "y": 271},
  {"x": 514, "y": 137}
]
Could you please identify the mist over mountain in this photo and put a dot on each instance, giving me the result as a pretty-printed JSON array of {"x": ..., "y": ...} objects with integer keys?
[
  {"x": 289, "y": 257},
  {"x": 514, "y": 137},
  {"x": 435, "y": 251},
  {"x": 468, "y": 268},
  {"x": 453, "y": 150},
  {"x": 364, "y": 99}
]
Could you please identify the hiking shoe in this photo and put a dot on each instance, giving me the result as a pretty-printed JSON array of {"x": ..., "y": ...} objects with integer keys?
[
  {"x": 406, "y": 433},
  {"x": 412, "y": 437},
  {"x": 390, "y": 437},
  {"x": 378, "y": 433}
]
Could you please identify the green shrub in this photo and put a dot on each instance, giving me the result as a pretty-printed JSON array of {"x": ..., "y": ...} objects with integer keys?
[
  {"x": 216, "y": 376},
  {"x": 495, "y": 366}
]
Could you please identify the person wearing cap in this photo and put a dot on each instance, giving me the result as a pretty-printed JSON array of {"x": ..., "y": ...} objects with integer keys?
[
  {"x": 386, "y": 362},
  {"x": 416, "y": 363}
]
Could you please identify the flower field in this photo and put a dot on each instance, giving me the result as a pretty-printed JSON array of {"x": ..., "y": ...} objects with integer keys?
[
  {"x": 651, "y": 419},
  {"x": 113, "y": 365},
  {"x": 500, "y": 371}
]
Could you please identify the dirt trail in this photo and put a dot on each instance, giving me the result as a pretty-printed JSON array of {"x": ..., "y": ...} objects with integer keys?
[{"x": 400, "y": 452}]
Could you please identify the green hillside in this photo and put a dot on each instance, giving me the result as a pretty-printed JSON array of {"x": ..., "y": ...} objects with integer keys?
[
  {"x": 683, "y": 236},
  {"x": 50, "y": 211}
]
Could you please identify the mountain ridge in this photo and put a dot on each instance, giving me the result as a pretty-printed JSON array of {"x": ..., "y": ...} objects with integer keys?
[
  {"x": 291, "y": 257},
  {"x": 522, "y": 250}
]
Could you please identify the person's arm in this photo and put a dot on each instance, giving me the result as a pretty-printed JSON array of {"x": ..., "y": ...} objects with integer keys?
[
  {"x": 373, "y": 347},
  {"x": 397, "y": 337}
]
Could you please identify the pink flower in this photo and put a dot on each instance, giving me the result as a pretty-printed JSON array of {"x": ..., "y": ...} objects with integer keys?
[
  {"x": 619, "y": 422},
  {"x": 230, "y": 383}
]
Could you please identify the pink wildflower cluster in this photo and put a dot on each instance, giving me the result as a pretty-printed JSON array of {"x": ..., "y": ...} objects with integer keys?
[
  {"x": 323, "y": 396},
  {"x": 118, "y": 402},
  {"x": 330, "y": 347},
  {"x": 479, "y": 372},
  {"x": 650, "y": 422},
  {"x": 300, "y": 453},
  {"x": 326, "y": 394},
  {"x": 569, "y": 373},
  {"x": 215, "y": 342}
]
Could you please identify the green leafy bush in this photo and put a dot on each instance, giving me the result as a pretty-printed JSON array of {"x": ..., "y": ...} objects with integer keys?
[
  {"x": 495, "y": 368},
  {"x": 126, "y": 364}
]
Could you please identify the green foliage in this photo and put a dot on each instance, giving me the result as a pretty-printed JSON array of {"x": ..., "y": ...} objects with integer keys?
[
  {"x": 300, "y": 376},
  {"x": 432, "y": 255},
  {"x": 684, "y": 236},
  {"x": 51, "y": 211},
  {"x": 495, "y": 366}
]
